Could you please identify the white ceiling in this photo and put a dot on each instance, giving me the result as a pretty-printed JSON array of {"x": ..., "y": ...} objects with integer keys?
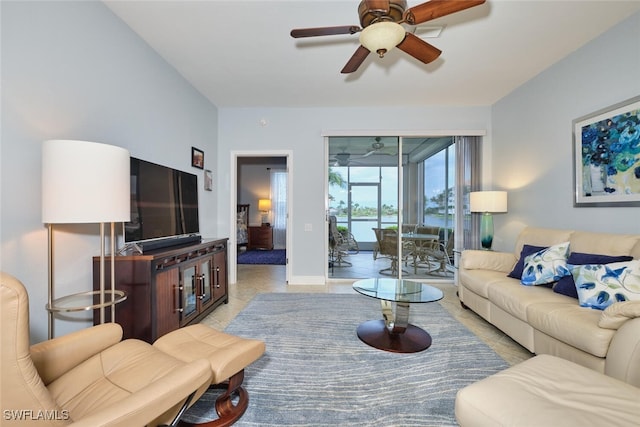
[{"x": 239, "y": 53}]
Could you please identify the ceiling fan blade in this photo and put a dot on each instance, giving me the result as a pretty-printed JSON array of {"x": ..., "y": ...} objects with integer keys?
[
  {"x": 356, "y": 60},
  {"x": 437, "y": 8},
  {"x": 419, "y": 49},
  {"x": 324, "y": 31},
  {"x": 377, "y": 6}
]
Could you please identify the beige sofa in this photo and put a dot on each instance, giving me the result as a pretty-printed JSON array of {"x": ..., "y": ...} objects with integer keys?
[{"x": 545, "y": 322}]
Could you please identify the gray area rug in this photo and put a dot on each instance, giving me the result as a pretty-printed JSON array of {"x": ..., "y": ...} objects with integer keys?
[{"x": 316, "y": 372}]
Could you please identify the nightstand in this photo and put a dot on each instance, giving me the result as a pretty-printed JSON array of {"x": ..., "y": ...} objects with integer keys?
[{"x": 260, "y": 237}]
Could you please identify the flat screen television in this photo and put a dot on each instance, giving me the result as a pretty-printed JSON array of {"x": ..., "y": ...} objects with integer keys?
[{"x": 164, "y": 206}]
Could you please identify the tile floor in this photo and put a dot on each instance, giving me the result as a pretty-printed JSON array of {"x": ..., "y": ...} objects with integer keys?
[
  {"x": 362, "y": 265},
  {"x": 254, "y": 279}
]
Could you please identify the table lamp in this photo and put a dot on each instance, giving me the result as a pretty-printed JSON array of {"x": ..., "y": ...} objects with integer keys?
[
  {"x": 264, "y": 206},
  {"x": 84, "y": 182},
  {"x": 487, "y": 202}
]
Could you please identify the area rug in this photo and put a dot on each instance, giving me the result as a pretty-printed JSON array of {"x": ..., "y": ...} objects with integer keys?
[
  {"x": 273, "y": 257},
  {"x": 316, "y": 372}
]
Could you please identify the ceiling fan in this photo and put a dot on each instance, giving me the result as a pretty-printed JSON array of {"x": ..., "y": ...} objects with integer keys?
[
  {"x": 345, "y": 159},
  {"x": 342, "y": 159},
  {"x": 381, "y": 28},
  {"x": 376, "y": 148}
]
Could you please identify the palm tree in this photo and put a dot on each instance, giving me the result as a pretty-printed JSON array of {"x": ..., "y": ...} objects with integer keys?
[{"x": 336, "y": 179}]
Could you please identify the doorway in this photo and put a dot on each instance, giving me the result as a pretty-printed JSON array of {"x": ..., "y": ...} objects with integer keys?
[{"x": 258, "y": 177}]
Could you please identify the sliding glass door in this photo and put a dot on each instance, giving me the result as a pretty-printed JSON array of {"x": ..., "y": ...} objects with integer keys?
[{"x": 400, "y": 189}]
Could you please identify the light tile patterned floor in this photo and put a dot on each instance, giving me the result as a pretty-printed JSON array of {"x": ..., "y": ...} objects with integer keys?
[
  {"x": 363, "y": 265},
  {"x": 254, "y": 279}
]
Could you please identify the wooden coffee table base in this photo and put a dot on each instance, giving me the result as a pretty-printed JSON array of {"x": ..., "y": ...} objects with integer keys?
[{"x": 376, "y": 334}]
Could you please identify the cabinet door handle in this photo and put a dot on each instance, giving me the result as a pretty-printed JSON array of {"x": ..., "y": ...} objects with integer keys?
[
  {"x": 217, "y": 277},
  {"x": 177, "y": 308},
  {"x": 202, "y": 287}
]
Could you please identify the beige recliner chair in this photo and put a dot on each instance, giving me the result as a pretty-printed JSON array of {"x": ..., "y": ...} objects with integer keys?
[{"x": 89, "y": 377}]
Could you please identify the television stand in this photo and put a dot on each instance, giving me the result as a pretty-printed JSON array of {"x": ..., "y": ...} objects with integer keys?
[{"x": 168, "y": 288}]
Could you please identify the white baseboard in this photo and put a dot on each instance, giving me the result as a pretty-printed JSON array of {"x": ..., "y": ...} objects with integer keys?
[{"x": 307, "y": 280}]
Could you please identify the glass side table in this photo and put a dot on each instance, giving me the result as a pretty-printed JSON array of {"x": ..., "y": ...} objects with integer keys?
[
  {"x": 394, "y": 332},
  {"x": 86, "y": 301}
]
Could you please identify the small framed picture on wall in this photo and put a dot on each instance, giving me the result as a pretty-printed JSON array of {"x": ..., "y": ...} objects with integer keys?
[{"x": 197, "y": 158}]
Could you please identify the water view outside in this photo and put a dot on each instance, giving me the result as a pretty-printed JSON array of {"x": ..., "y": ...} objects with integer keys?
[{"x": 371, "y": 195}]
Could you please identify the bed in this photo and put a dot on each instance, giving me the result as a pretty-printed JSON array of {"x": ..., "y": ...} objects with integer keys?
[{"x": 242, "y": 226}]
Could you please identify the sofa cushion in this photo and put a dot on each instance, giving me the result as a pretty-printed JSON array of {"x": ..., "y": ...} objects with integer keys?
[
  {"x": 544, "y": 237},
  {"x": 479, "y": 281},
  {"x": 576, "y": 326},
  {"x": 527, "y": 250},
  {"x": 546, "y": 266},
  {"x": 512, "y": 297},
  {"x": 603, "y": 243},
  {"x": 600, "y": 285},
  {"x": 567, "y": 286}
]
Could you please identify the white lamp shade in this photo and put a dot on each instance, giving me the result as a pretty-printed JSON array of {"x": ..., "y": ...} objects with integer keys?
[
  {"x": 382, "y": 36},
  {"x": 488, "y": 201},
  {"x": 264, "y": 205},
  {"x": 84, "y": 182}
]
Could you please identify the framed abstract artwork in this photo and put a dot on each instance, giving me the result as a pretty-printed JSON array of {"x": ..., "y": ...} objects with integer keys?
[{"x": 606, "y": 147}]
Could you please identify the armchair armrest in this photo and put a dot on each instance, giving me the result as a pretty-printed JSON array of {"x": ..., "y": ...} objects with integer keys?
[
  {"x": 57, "y": 356},
  {"x": 158, "y": 402},
  {"x": 487, "y": 260}
]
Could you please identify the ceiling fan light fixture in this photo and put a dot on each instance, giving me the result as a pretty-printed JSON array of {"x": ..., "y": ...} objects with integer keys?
[{"x": 381, "y": 37}]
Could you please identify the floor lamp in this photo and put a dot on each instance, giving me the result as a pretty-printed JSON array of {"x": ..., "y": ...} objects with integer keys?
[
  {"x": 84, "y": 182},
  {"x": 487, "y": 202}
]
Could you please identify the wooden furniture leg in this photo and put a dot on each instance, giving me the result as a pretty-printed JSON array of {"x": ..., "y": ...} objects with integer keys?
[{"x": 228, "y": 413}]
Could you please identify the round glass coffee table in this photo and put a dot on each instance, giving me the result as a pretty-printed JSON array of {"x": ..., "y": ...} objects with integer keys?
[{"x": 394, "y": 332}]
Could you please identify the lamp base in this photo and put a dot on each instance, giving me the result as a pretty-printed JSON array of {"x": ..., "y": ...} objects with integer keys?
[{"x": 486, "y": 231}]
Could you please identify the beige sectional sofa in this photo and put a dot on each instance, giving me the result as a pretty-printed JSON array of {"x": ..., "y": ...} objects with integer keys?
[
  {"x": 552, "y": 388},
  {"x": 545, "y": 322}
]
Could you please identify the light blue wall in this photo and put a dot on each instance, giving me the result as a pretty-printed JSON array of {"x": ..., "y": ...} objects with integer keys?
[
  {"x": 532, "y": 140},
  {"x": 73, "y": 70},
  {"x": 300, "y": 130}
]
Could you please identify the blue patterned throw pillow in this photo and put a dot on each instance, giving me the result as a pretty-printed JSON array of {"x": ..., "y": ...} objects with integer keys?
[
  {"x": 600, "y": 285},
  {"x": 527, "y": 250},
  {"x": 546, "y": 266},
  {"x": 566, "y": 285}
]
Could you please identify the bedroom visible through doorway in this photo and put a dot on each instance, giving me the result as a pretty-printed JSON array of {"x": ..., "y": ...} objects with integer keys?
[{"x": 262, "y": 188}]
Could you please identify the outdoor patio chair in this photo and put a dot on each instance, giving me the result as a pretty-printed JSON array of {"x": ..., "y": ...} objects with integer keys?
[
  {"x": 442, "y": 255},
  {"x": 387, "y": 240},
  {"x": 338, "y": 245}
]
